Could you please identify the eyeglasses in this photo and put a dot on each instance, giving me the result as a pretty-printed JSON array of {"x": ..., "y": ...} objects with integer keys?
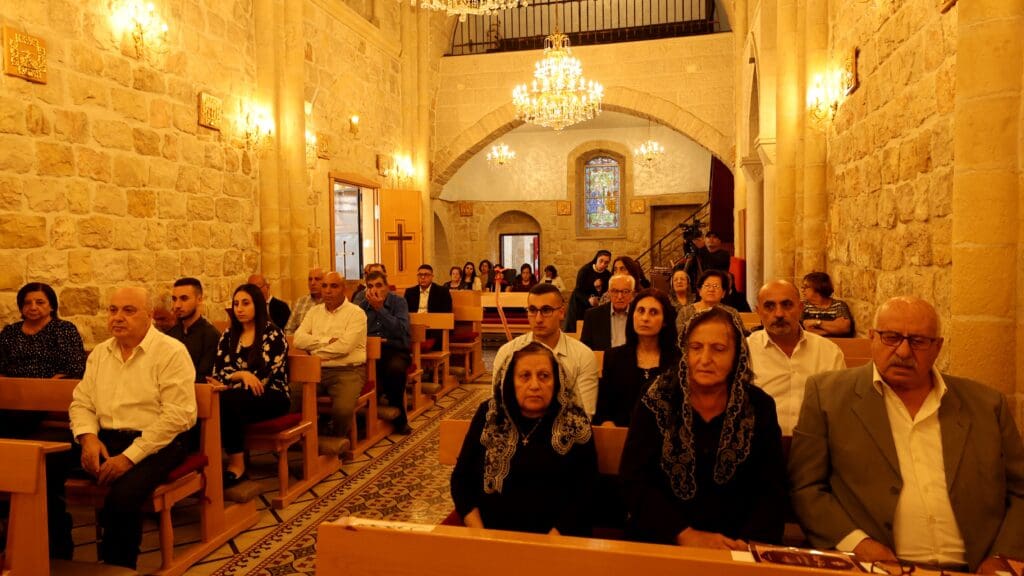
[
  {"x": 710, "y": 286},
  {"x": 617, "y": 292},
  {"x": 894, "y": 339},
  {"x": 544, "y": 311},
  {"x": 423, "y": 274}
]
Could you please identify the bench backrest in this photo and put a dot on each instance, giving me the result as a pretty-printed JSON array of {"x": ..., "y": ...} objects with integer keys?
[
  {"x": 39, "y": 394},
  {"x": 857, "y": 351},
  {"x": 508, "y": 299},
  {"x": 608, "y": 440},
  {"x": 466, "y": 298}
]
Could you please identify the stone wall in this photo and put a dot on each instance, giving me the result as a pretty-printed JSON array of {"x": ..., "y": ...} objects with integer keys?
[
  {"x": 890, "y": 157},
  {"x": 105, "y": 176}
]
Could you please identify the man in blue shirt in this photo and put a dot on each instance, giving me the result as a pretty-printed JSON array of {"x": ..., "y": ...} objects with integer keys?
[{"x": 387, "y": 316}]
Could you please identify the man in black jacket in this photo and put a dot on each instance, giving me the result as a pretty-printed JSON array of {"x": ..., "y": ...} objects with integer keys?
[{"x": 604, "y": 326}]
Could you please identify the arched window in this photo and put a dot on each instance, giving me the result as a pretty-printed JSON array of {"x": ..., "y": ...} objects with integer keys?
[{"x": 602, "y": 193}]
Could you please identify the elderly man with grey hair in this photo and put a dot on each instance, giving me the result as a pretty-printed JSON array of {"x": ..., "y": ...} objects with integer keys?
[
  {"x": 894, "y": 460},
  {"x": 604, "y": 326},
  {"x": 129, "y": 413}
]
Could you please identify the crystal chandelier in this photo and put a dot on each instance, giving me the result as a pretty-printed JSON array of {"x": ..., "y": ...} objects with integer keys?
[
  {"x": 500, "y": 155},
  {"x": 467, "y": 7},
  {"x": 559, "y": 96},
  {"x": 649, "y": 154}
]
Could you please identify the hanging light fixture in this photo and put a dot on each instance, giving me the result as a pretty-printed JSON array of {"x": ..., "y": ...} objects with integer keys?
[
  {"x": 649, "y": 154},
  {"x": 501, "y": 155},
  {"x": 559, "y": 95},
  {"x": 462, "y": 8}
]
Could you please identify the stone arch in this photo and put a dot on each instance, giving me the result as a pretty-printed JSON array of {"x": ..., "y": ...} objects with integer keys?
[
  {"x": 502, "y": 120},
  {"x": 512, "y": 221},
  {"x": 442, "y": 253}
]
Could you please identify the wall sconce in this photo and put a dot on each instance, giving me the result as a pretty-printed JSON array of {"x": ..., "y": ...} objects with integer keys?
[
  {"x": 310, "y": 149},
  {"x": 353, "y": 125},
  {"x": 256, "y": 126},
  {"x": 141, "y": 22},
  {"x": 397, "y": 170},
  {"x": 824, "y": 96}
]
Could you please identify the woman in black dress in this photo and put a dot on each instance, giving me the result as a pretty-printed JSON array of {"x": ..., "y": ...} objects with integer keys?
[
  {"x": 703, "y": 463},
  {"x": 528, "y": 462},
  {"x": 41, "y": 345},
  {"x": 252, "y": 361},
  {"x": 591, "y": 284},
  {"x": 649, "y": 351}
]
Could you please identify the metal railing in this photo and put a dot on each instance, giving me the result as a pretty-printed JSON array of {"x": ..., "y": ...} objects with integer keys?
[
  {"x": 671, "y": 248},
  {"x": 584, "y": 22}
]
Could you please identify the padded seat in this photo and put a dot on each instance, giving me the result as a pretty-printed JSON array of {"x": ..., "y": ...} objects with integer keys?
[{"x": 274, "y": 425}]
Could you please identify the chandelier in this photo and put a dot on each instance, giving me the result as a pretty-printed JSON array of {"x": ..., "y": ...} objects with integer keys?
[
  {"x": 462, "y": 8},
  {"x": 649, "y": 154},
  {"x": 500, "y": 155},
  {"x": 559, "y": 96}
]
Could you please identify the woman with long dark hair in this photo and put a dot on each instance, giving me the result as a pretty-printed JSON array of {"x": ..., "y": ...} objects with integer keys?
[
  {"x": 526, "y": 280},
  {"x": 486, "y": 276},
  {"x": 469, "y": 278},
  {"x": 252, "y": 362}
]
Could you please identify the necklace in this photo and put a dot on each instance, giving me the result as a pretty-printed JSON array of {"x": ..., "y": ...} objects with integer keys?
[{"x": 526, "y": 439}]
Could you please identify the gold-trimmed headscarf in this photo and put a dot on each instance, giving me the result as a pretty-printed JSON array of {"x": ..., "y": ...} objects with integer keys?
[
  {"x": 500, "y": 437},
  {"x": 668, "y": 398}
]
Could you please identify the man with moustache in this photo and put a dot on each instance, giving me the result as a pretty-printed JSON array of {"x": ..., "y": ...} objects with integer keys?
[
  {"x": 192, "y": 329},
  {"x": 895, "y": 460},
  {"x": 129, "y": 413},
  {"x": 305, "y": 303},
  {"x": 784, "y": 355}
]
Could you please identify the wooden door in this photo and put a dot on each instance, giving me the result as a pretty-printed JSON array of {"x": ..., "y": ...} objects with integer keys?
[{"x": 401, "y": 235}]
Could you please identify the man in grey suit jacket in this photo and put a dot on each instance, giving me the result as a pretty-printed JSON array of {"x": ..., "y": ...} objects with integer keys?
[{"x": 894, "y": 459}]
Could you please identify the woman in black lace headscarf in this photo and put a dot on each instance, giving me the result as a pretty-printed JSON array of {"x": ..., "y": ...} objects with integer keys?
[
  {"x": 528, "y": 462},
  {"x": 703, "y": 463}
]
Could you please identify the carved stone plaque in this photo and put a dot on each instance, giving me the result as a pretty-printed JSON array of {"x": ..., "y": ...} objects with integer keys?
[
  {"x": 211, "y": 111},
  {"x": 24, "y": 56}
]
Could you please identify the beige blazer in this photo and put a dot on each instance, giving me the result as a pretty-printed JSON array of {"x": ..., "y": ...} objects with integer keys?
[{"x": 844, "y": 472}]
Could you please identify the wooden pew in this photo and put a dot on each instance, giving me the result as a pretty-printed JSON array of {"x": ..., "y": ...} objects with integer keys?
[
  {"x": 416, "y": 401},
  {"x": 750, "y": 320},
  {"x": 218, "y": 522},
  {"x": 376, "y": 429},
  {"x": 856, "y": 350},
  {"x": 467, "y": 338},
  {"x": 608, "y": 440},
  {"x": 443, "y": 322},
  {"x": 514, "y": 306},
  {"x": 357, "y": 547},
  {"x": 24, "y": 478}
]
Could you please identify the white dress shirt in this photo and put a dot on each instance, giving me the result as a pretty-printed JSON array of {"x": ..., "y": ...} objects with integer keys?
[
  {"x": 576, "y": 360},
  {"x": 924, "y": 526},
  {"x": 347, "y": 323},
  {"x": 784, "y": 377},
  {"x": 424, "y": 297},
  {"x": 153, "y": 391}
]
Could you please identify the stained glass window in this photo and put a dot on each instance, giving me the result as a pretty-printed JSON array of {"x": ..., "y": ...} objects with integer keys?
[{"x": 601, "y": 194}]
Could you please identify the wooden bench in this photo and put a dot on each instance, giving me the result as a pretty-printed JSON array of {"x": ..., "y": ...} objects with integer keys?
[
  {"x": 218, "y": 523},
  {"x": 750, "y": 320},
  {"x": 437, "y": 360},
  {"x": 467, "y": 338},
  {"x": 857, "y": 351},
  {"x": 376, "y": 429},
  {"x": 514, "y": 306},
  {"x": 416, "y": 401},
  {"x": 356, "y": 546}
]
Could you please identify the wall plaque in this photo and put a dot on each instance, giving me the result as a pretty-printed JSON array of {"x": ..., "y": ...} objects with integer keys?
[
  {"x": 465, "y": 209},
  {"x": 564, "y": 208},
  {"x": 211, "y": 111},
  {"x": 24, "y": 56}
]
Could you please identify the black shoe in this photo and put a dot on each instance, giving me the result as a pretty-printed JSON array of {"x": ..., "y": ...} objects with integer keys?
[
  {"x": 231, "y": 480},
  {"x": 403, "y": 430}
]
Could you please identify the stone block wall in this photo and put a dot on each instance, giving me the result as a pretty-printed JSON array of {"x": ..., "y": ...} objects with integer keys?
[
  {"x": 890, "y": 156},
  {"x": 105, "y": 177}
]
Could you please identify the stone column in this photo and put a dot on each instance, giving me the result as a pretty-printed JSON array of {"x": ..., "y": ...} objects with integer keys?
[
  {"x": 986, "y": 333},
  {"x": 296, "y": 214},
  {"x": 815, "y": 196},
  {"x": 266, "y": 95},
  {"x": 740, "y": 29},
  {"x": 787, "y": 107}
]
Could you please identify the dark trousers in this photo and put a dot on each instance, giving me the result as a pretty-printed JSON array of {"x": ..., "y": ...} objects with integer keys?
[
  {"x": 392, "y": 372},
  {"x": 240, "y": 407},
  {"x": 121, "y": 516}
]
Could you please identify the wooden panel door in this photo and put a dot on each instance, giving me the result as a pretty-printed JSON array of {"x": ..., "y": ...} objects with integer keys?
[{"x": 401, "y": 235}]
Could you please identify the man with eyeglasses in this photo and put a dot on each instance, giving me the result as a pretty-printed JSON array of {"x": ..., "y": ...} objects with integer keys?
[
  {"x": 784, "y": 355},
  {"x": 604, "y": 326},
  {"x": 895, "y": 460},
  {"x": 545, "y": 309},
  {"x": 428, "y": 296}
]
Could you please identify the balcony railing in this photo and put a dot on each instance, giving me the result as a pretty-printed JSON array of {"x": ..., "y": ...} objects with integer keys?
[{"x": 585, "y": 22}]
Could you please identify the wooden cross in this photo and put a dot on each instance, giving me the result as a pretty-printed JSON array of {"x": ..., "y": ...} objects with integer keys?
[{"x": 401, "y": 237}]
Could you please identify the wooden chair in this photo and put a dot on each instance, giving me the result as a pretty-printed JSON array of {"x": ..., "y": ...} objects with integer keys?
[
  {"x": 279, "y": 434},
  {"x": 467, "y": 339},
  {"x": 416, "y": 401},
  {"x": 857, "y": 351},
  {"x": 375, "y": 428},
  {"x": 437, "y": 360}
]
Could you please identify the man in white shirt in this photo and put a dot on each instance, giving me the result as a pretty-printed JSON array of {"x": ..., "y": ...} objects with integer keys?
[
  {"x": 783, "y": 355},
  {"x": 896, "y": 460},
  {"x": 129, "y": 413},
  {"x": 336, "y": 332},
  {"x": 546, "y": 310},
  {"x": 304, "y": 303}
]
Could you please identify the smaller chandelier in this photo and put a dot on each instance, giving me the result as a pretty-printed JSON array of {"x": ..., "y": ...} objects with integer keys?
[
  {"x": 559, "y": 96},
  {"x": 649, "y": 154},
  {"x": 462, "y": 8},
  {"x": 501, "y": 155}
]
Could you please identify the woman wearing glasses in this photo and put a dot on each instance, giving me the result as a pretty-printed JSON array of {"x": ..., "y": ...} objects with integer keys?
[
  {"x": 703, "y": 464},
  {"x": 528, "y": 462},
  {"x": 823, "y": 314},
  {"x": 712, "y": 286},
  {"x": 649, "y": 351}
]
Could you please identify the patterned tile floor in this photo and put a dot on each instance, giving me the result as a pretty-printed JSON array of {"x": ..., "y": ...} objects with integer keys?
[{"x": 398, "y": 479}]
